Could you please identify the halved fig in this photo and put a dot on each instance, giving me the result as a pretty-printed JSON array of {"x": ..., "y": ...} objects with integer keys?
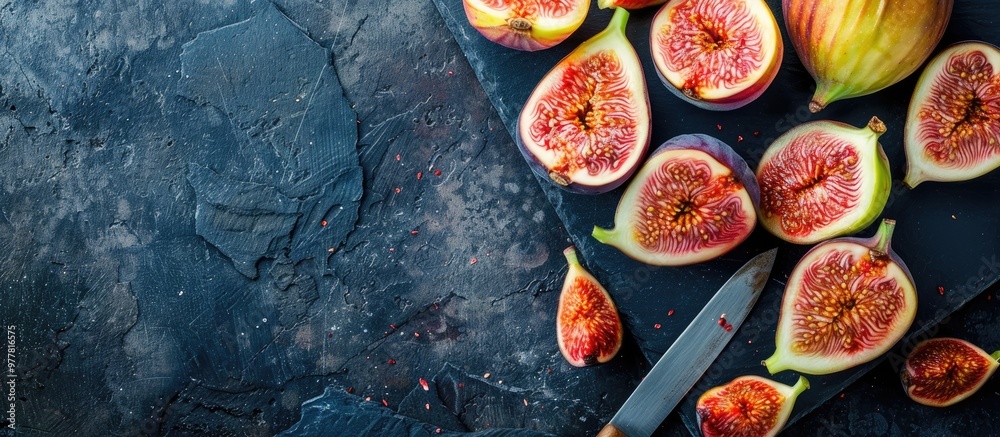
[
  {"x": 586, "y": 125},
  {"x": 628, "y": 4},
  {"x": 942, "y": 371},
  {"x": 953, "y": 124},
  {"x": 858, "y": 47},
  {"x": 588, "y": 328},
  {"x": 823, "y": 179},
  {"x": 716, "y": 54},
  {"x": 693, "y": 200},
  {"x": 847, "y": 301},
  {"x": 528, "y": 25},
  {"x": 748, "y": 406}
]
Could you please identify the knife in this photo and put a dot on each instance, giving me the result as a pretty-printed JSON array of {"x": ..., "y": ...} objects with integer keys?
[{"x": 693, "y": 351}]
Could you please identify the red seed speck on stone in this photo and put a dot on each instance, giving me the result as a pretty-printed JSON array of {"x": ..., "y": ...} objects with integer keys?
[
  {"x": 398, "y": 157},
  {"x": 525, "y": 402},
  {"x": 450, "y": 73},
  {"x": 729, "y": 327},
  {"x": 392, "y": 249},
  {"x": 739, "y": 138},
  {"x": 350, "y": 390},
  {"x": 416, "y": 334},
  {"x": 368, "y": 398},
  {"x": 329, "y": 335},
  {"x": 427, "y": 406},
  {"x": 670, "y": 313},
  {"x": 756, "y": 133},
  {"x": 437, "y": 431},
  {"x": 322, "y": 223},
  {"x": 656, "y": 326},
  {"x": 473, "y": 260},
  {"x": 414, "y": 232},
  {"x": 385, "y": 403},
  {"x": 722, "y": 321},
  {"x": 940, "y": 290},
  {"x": 718, "y": 126},
  {"x": 392, "y": 327},
  {"x": 423, "y": 383},
  {"x": 437, "y": 172},
  {"x": 841, "y": 395},
  {"x": 461, "y": 384},
  {"x": 420, "y": 175},
  {"x": 486, "y": 375},
  {"x": 391, "y": 361},
  {"x": 398, "y": 190}
]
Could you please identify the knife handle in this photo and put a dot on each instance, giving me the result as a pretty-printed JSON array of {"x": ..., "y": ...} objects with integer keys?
[{"x": 609, "y": 430}]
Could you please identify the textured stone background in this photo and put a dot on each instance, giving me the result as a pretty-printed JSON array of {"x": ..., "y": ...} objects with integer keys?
[{"x": 167, "y": 173}]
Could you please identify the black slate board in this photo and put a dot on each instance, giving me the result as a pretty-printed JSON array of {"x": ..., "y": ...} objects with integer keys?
[{"x": 946, "y": 233}]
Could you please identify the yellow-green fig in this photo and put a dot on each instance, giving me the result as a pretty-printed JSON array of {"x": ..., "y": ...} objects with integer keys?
[{"x": 854, "y": 48}]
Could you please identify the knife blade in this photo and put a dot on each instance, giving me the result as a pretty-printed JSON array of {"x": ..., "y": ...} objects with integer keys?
[{"x": 693, "y": 351}]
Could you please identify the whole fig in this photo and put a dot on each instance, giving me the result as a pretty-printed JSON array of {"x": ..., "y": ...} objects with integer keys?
[{"x": 859, "y": 47}]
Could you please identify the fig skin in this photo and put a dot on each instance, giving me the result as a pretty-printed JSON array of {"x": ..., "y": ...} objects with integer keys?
[
  {"x": 857, "y": 48},
  {"x": 795, "y": 222},
  {"x": 958, "y": 92},
  {"x": 746, "y": 403},
  {"x": 628, "y": 4},
  {"x": 588, "y": 328},
  {"x": 612, "y": 124},
  {"x": 518, "y": 27},
  {"x": 940, "y": 363},
  {"x": 873, "y": 259},
  {"x": 721, "y": 53},
  {"x": 724, "y": 162}
]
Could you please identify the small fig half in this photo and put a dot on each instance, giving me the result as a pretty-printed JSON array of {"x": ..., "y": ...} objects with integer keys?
[
  {"x": 823, "y": 179},
  {"x": 748, "y": 406},
  {"x": 942, "y": 371},
  {"x": 586, "y": 125},
  {"x": 859, "y": 47},
  {"x": 953, "y": 124},
  {"x": 528, "y": 25},
  {"x": 693, "y": 200},
  {"x": 588, "y": 328},
  {"x": 716, "y": 54},
  {"x": 847, "y": 301}
]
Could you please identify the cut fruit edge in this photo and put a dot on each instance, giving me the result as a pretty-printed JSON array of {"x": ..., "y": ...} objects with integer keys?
[
  {"x": 544, "y": 27},
  {"x": 737, "y": 93},
  {"x": 919, "y": 170},
  {"x": 612, "y": 38},
  {"x": 621, "y": 235},
  {"x": 875, "y": 189},
  {"x": 816, "y": 364}
]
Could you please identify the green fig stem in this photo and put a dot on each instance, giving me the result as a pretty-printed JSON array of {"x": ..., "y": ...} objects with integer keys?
[
  {"x": 570, "y": 254},
  {"x": 825, "y": 94},
  {"x": 996, "y": 356},
  {"x": 884, "y": 236},
  {"x": 774, "y": 364},
  {"x": 603, "y": 235},
  {"x": 913, "y": 177},
  {"x": 618, "y": 20},
  {"x": 800, "y": 386}
]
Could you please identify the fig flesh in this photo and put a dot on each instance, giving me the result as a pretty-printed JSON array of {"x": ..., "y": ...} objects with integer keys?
[
  {"x": 586, "y": 125},
  {"x": 748, "y": 406},
  {"x": 859, "y": 47},
  {"x": 943, "y": 371},
  {"x": 628, "y": 4},
  {"x": 693, "y": 200},
  {"x": 823, "y": 179},
  {"x": 953, "y": 124},
  {"x": 527, "y": 25},
  {"x": 846, "y": 303},
  {"x": 716, "y": 54},
  {"x": 588, "y": 328}
]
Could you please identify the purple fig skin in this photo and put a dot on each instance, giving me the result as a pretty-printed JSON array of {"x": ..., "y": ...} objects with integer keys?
[{"x": 722, "y": 152}]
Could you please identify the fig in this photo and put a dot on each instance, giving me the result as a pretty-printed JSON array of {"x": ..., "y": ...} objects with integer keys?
[
  {"x": 628, "y": 4},
  {"x": 823, "y": 179},
  {"x": 748, "y": 406},
  {"x": 527, "y": 25},
  {"x": 586, "y": 125},
  {"x": 847, "y": 301},
  {"x": 953, "y": 124},
  {"x": 716, "y": 54},
  {"x": 693, "y": 200},
  {"x": 943, "y": 371},
  {"x": 588, "y": 328},
  {"x": 859, "y": 47}
]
